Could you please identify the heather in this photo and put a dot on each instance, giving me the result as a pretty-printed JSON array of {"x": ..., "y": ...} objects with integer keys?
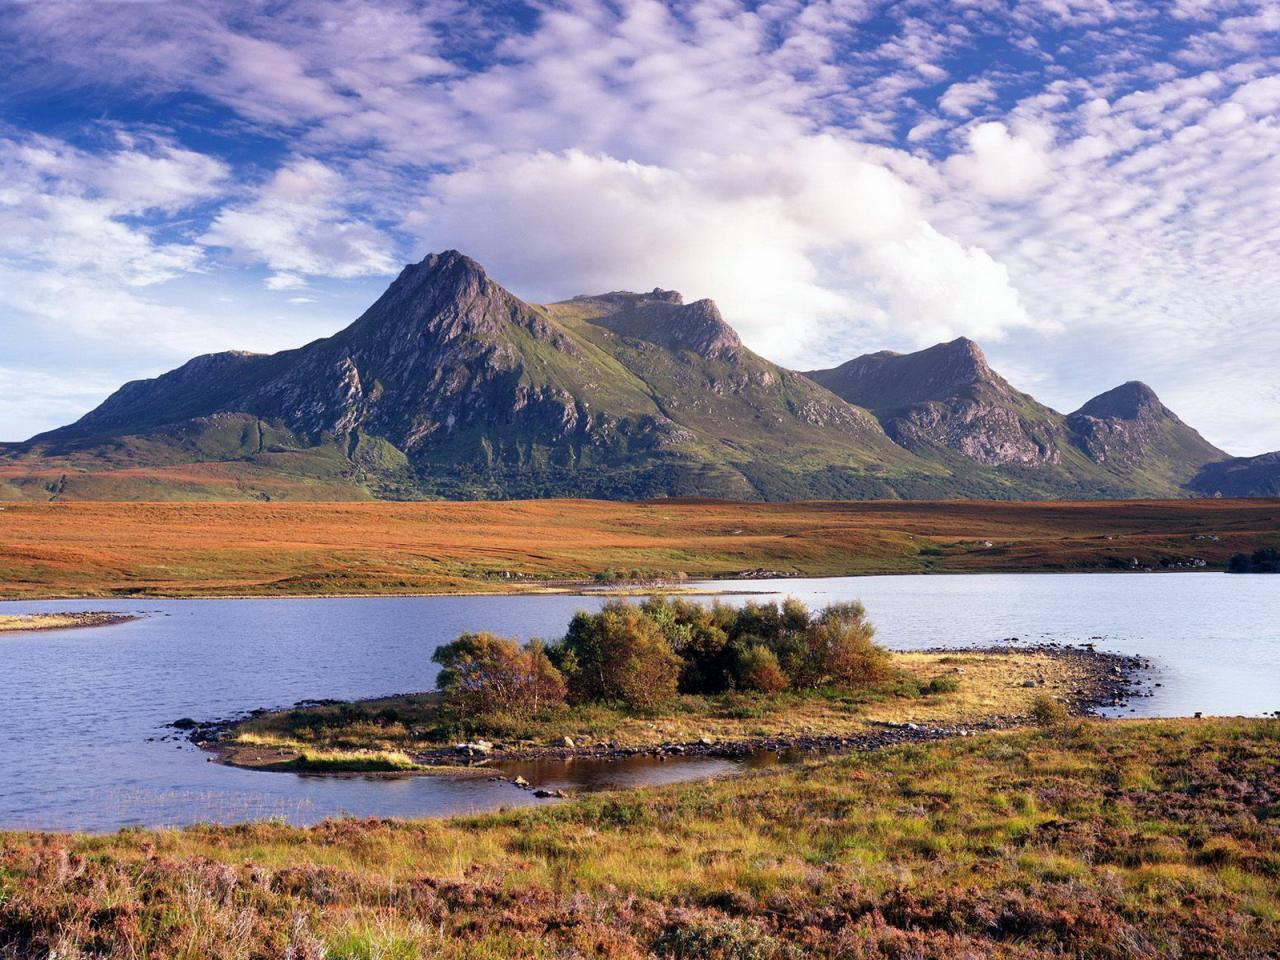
[{"x": 1088, "y": 839}]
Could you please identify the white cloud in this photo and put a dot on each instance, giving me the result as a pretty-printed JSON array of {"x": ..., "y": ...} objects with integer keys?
[
  {"x": 787, "y": 242},
  {"x": 1000, "y": 165},
  {"x": 298, "y": 223},
  {"x": 63, "y": 208},
  {"x": 284, "y": 281},
  {"x": 960, "y": 98}
]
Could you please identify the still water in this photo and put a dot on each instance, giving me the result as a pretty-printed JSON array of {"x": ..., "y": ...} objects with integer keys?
[{"x": 81, "y": 710}]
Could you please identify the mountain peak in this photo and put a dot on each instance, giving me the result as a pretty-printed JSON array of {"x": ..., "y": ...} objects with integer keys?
[
  {"x": 887, "y": 381},
  {"x": 662, "y": 317},
  {"x": 1129, "y": 401},
  {"x": 444, "y": 296},
  {"x": 448, "y": 270},
  {"x": 970, "y": 363},
  {"x": 626, "y": 299}
]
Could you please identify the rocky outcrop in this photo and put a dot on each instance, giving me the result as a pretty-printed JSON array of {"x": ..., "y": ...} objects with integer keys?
[{"x": 663, "y": 318}]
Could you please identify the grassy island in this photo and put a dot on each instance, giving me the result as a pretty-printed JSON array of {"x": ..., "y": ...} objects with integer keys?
[
  {"x": 669, "y": 673},
  {"x": 20, "y": 623}
]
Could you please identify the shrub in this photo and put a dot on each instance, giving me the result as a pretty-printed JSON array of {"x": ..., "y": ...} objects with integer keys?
[
  {"x": 941, "y": 685},
  {"x": 837, "y": 648},
  {"x": 1048, "y": 712},
  {"x": 618, "y": 654},
  {"x": 482, "y": 673},
  {"x": 697, "y": 639},
  {"x": 757, "y": 668}
]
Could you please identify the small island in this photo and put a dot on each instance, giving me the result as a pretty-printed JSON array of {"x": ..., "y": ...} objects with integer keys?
[
  {"x": 670, "y": 676},
  {"x": 27, "y": 622}
]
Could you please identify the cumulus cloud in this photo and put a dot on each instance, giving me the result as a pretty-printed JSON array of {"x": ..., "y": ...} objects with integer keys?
[
  {"x": 787, "y": 242},
  {"x": 999, "y": 164}
]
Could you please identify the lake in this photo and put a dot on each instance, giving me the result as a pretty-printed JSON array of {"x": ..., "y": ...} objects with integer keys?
[{"x": 83, "y": 710}]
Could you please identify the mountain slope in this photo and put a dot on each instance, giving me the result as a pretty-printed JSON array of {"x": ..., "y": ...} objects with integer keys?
[
  {"x": 449, "y": 385},
  {"x": 948, "y": 396}
]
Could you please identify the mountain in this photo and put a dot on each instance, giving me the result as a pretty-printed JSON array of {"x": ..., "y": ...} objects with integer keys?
[
  {"x": 948, "y": 397},
  {"x": 1240, "y": 477},
  {"x": 947, "y": 403},
  {"x": 1129, "y": 432},
  {"x": 450, "y": 386}
]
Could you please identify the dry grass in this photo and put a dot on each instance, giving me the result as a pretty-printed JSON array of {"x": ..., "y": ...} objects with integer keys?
[
  {"x": 56, "y": 621},
  {"x": 1106, "y": 841},
  {"x": 176, "y": 549}
]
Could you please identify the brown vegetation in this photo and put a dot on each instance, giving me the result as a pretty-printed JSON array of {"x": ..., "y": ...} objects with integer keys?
[
  {"x": 176, "y": 549},
  {"x": 1106, "y": 841}
]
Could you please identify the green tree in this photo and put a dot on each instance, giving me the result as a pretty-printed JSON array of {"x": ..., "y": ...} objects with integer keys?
[
  {"x": 483, "y": 674},
  {"x": 757, "y": 668},
  {"x": 697, "y": 639},
  {"x": 618, "y": 654},
  {"x": 837, "y": 648}
]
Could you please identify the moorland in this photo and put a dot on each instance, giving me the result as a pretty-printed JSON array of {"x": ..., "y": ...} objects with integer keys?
[
  {"x": 1085, "y": 839},
  {"x": 291, "y": 549}
]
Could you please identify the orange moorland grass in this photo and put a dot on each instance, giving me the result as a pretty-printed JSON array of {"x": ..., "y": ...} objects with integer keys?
[{"x": 298, "y": 548}]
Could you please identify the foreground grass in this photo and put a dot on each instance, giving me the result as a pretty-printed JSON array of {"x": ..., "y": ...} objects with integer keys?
[
  {"x": 924, "y": 688},
  {"x": 1100, "y": 839},
  {"x": 283, "y": 549}
]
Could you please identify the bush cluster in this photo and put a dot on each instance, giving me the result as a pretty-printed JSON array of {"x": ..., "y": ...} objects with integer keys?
[
  {"x": 1266, "y": 560},
  {"x": 644, "y": 655}
]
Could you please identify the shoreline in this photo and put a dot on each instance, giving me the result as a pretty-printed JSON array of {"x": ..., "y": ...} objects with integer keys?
[
  {"x": 43, "y": 622},
  {"x": 587, "y": 588},
  {"x": 1110, "y": 679}
]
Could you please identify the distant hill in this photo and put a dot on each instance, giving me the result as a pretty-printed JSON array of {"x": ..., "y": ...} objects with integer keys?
[
  {"x": 450, "y": 386},
  {"x": 946, "y": 403},
  {"x": 1240, "y": 477}
]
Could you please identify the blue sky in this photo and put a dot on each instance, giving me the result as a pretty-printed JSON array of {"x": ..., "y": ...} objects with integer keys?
[{"x": 1089, "y": 188}]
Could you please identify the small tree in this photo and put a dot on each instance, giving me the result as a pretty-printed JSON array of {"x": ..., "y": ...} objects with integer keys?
[
  {"x": 482, "y": 673},
  {"x": 620, "y": 653},
  {"x": 696, "y": 638},
  {"x": 837, "y": 648}
]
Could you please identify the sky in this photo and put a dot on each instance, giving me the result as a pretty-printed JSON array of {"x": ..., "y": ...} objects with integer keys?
[{"x": 1088, "y": 188}]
